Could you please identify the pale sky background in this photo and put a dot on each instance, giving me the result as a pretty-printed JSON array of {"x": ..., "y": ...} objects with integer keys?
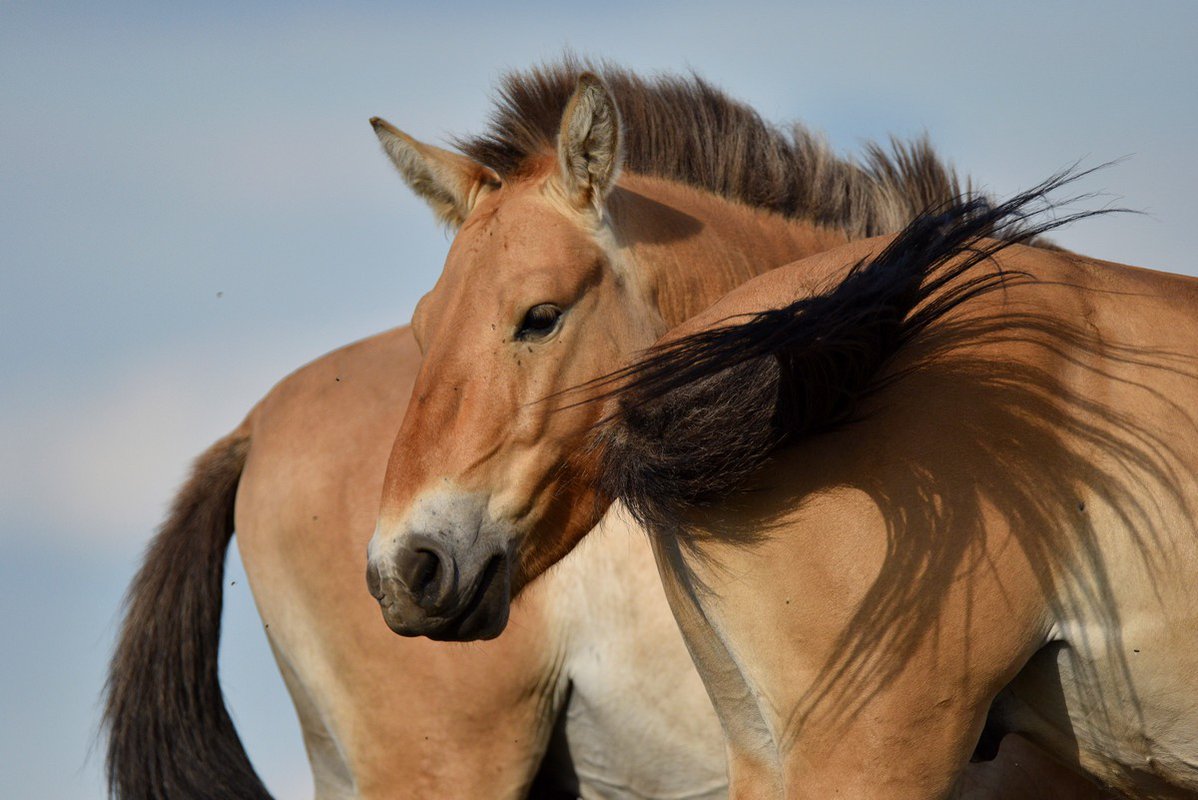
[{"x": 192, "y": 204}]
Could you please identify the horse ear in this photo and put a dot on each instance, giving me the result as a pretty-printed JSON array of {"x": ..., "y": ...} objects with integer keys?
[
  {"x": 449, "y": 182},
  {"x": 588, "y": 144}
]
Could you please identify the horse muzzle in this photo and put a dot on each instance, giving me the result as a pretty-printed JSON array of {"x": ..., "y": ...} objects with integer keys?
[{"x": 425, "y": 588}]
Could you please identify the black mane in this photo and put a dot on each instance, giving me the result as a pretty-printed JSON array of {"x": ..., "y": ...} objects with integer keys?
[{"x": 698, "y": 416}]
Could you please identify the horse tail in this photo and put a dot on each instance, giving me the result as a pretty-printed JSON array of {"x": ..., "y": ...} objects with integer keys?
[
  {"x": 169, "y": 733},
  {"x": 697, "y": 416}
]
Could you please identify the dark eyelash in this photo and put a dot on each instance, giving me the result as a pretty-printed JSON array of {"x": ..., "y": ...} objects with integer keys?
[{"x": 539, "y": 321}]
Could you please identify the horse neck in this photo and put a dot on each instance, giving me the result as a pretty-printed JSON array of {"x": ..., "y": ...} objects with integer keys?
[{"x": 689, "y": 247}]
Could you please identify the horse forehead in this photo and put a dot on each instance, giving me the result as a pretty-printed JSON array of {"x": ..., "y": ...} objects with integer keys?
[{"x": 513, "y": 226}]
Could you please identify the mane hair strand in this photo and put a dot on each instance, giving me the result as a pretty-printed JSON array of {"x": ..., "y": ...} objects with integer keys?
[{"x": 698, "y": 416}]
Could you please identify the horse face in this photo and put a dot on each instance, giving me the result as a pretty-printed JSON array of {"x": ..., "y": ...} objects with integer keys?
[{"x": 486, "y": 483}]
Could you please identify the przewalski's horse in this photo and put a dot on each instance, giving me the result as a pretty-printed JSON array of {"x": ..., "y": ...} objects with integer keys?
[
  {"x": 888, "y": 481},
  {"x": 592, "y": 667},
  {"x": 580, "y": 241}
]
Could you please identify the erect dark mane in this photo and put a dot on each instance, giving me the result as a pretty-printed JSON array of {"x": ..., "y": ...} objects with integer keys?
[
  {"x": 684, "y": 129},
  {"x": 699, "y": 416}
]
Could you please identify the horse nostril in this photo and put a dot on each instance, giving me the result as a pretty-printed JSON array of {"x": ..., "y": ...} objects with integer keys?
[{"x": 426, "y": 573}]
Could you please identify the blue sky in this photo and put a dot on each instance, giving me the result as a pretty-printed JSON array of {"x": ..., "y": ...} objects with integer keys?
[{"x": 192, "y": 204}]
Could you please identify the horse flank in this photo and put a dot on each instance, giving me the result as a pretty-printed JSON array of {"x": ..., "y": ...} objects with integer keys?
[
  {"x": 698, "y": 416},
  {"x": 686, "y": 130}
]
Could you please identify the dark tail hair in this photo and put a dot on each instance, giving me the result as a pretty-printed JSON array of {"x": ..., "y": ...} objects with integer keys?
[
  {"x": 169, "y": 733},
  {"x": 696, "y": 417}
]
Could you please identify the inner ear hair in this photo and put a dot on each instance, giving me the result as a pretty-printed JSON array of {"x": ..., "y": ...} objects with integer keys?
[
  {"x": 449, "y": 182},
  {"x": 589, "y": 142}
]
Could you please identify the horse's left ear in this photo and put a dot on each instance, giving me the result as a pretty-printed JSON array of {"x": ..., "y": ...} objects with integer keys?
[
  {"x": 450, "y": 183},
  {"x": 588, "y": 144}
]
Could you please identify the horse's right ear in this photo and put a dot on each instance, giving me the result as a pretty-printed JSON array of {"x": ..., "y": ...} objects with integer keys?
[{"x": 449, "y": 182}]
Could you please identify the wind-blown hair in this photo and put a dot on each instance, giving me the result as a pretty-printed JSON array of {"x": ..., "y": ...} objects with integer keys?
[
  {"x": 684, "y": 129},
  {"x": 698, "y": 416}
]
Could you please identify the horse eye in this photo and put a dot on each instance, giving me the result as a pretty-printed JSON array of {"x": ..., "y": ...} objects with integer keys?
[{"x": 539, "y": 321}]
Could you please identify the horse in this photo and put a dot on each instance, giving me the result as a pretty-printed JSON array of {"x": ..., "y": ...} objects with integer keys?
[
  {"x": 915, "y": 483},
  {"x": 570, "y": 702},
  {"x": 594, "y": 215}
]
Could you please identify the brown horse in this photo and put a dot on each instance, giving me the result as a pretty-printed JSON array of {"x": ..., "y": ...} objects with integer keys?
[
  {"x": 570, "y": 691},
  {"x": 581, "y": 240},
  {"x": 887, "y": 482}
]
